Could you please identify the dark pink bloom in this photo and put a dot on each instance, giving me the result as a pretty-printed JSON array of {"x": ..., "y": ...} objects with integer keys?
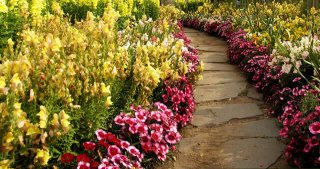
[
  {"x": 313, "y": 141},
  {"x": 89, "y": 146},
  {"x": 314, "y": 128},
  {"x": 124, "y": 144},
  {"x": 83, "y": 158},
  {"x": 113, "y": 150},
  {"x": 67, "y": 158},
  {"x": 173, "y": 137}
]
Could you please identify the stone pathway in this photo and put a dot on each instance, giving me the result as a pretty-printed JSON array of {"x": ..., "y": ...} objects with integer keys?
[{"x": 230, "y": 128}]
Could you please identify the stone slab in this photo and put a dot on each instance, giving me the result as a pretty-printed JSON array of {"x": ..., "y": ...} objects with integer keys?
[
  {"x": 253, "y": 93},
  {"x": 214, "y": 57},
  {"x": 219, "y": 67},
  {"x": 210, "y": 48},
  {"x": 206, "y": 115},
  {"x": 257, "y": 128},
  {"x": 250, "y": 153},
  {"x": 219, "y": 77},
  {"x": 219, "y": 91}
]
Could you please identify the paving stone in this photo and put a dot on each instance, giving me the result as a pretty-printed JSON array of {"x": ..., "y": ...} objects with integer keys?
[
  {"x": 218, "y": 77},
  {"x": 210, "y": 48},
  {"x": 213, "y": 57},
  {"x": 253, "y": 93},
  {"x": 250, "y": 153},
  {"x": 207, "y": 115},
  {"x": 258, "y": 128},
  {"x": 219, "y": 91},
  {"x": 220, "y": 66}
]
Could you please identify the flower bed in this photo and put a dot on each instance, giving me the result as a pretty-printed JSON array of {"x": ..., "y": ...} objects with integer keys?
[
  {"x": 294, "y": 101},
  {"x": 101, "y": 91}
]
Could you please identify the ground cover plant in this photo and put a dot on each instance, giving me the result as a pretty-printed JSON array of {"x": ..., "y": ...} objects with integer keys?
[{"x": 277, "y": 45}]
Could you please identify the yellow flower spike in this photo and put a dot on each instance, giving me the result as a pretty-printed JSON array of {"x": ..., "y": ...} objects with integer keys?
[
  {"x": 64, "y": 120},
  {"x": 105, "y": 90},
  {"x": 55, "y": 121},
  {"x": 43, "y": 116},
  {"x": 42, "y": 157},
  {"x": 15, "y": 81},
  {"x": 108, "y": 102},
  {"x": 8, "y": 138},
  {"x": 2, "y": 82},
  {"x": 33, "y": 129},
  {"x": 3, "y": 6}
]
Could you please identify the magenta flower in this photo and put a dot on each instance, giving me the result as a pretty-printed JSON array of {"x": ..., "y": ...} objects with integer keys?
[
  {"x": 173, "y": 137},
  {"x": 100, "y": 134},
  {"x": 314, "y": 128},
  {"x": 113, "y": 150},
  {"x": 313, "y": 141}
]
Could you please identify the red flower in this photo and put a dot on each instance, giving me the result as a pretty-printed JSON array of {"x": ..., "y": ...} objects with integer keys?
[
  {"x": 94, "y": 165},
  {"x": 113, "y": 150},
  {"x": 67, "y": 158},
  {"x": 90, "y": 146},
  {"x": 83, "y": 157}
]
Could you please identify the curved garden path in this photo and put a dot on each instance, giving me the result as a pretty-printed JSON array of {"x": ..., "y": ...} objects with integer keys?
[{"x": 230, "y": 128}]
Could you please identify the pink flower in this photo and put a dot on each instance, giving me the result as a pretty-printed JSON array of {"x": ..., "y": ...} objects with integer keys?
[
  {"x": 133, "y": 129},
  {"x": 314, "y": 128},
  {"x": 83, "y": 165},
  {"x": 156, "y": 136},
  {"x": 141, "y": 115},
  {"x": 89, "y": 146},
  {"x": 156, "y": 115},
  {"x": 113, "y": 150},
  {"x": 313, "y": 141},
  {"x": 100, "y": 134},
  {"x": 124, "y": 144},
  {"x": 173, "y": 137},
  {"x": 134, "y": 151},
  {"x": 119, "y": 120}
]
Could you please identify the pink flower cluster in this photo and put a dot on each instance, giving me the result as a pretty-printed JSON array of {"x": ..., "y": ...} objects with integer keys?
[
  {"x": 156, "y": 129},
  {"x": 284, "y": 92},
  {"x": 108, "y": 152}
]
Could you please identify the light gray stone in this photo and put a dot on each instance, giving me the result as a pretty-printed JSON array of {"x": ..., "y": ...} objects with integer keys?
[
  {"x": 219, "y": 91},
  {"x": 250, "y": 153},
  {"x": 207, "y": 115},
  {"x": 210, "y": 48},
  {"x": 253, "y": 93},
  {"x": 213, "y": 57},
  {"x": 220, "y": 66},
  {"x": 259, "y": 128},
  {"x": 218, "y": 77}
]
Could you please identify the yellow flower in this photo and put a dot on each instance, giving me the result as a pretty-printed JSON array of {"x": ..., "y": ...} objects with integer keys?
[
  {"x": 105, "y": 90},
  {"x": 42, "y": 157},
  {"x": 15, "y": 81},
  {"x": 5, "y": 164},
  {"x": 108, "y": 102},
  {"x": 55, "y": 121},
  {"x": 64, "y": 120},
  {"x": 3, "y": 7},
  {"x": 43, "y": 116},
  {"x": 2, "y": 82},
  {"x": 8, "y": 138},
  {"x": 33, "y": 129}
]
